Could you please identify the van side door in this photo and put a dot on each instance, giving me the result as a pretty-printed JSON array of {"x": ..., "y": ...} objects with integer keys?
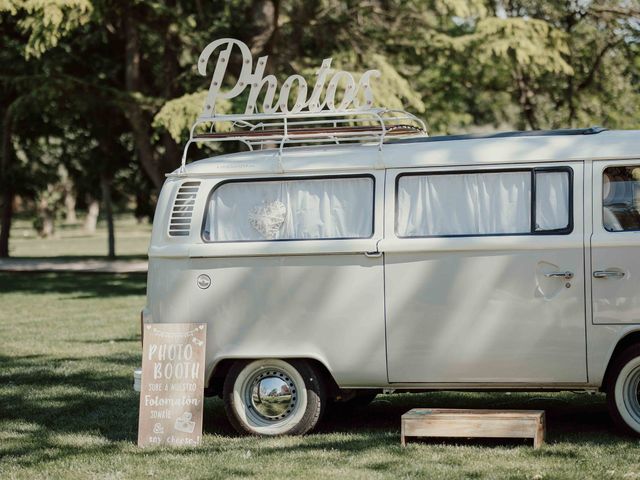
[
  {"x": 484, "y": 275},
  {"x": 615, "y": 243}
]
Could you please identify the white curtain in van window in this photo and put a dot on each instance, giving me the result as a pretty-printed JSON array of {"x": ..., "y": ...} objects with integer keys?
[
  {"x": 291, "y": 209},
  {"x": 464, "y": 204},
  {"x": 552, "y": 200}
]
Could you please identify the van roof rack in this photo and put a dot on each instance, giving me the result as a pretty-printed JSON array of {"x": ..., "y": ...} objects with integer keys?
[
  {"x": 518, "y": 133},
  {"x": 279, "y": 130}
]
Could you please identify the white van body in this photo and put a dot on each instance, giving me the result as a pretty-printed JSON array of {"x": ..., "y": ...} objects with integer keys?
[{"x": 409, "y": 305}]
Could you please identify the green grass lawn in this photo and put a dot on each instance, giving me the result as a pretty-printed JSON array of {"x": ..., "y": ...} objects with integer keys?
[
  {"x": 132, "y": 240},
  {"x": 68, "y": 345}
]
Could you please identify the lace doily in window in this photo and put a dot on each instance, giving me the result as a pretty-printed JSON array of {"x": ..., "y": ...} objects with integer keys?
[{"x": 268, "y": 218}]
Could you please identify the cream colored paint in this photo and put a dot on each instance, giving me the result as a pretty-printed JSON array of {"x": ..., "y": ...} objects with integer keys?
[
  {"x": 325, "y": 299},
  {"x": 615, "y": 300},
  {"x": 480, "y": 309}
]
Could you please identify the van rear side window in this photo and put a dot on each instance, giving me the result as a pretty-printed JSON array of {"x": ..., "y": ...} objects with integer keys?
[
  {"x": 621, "y": 199},
  {"x": 291, "y": 209},
  {"x": 517, "y": 202}
]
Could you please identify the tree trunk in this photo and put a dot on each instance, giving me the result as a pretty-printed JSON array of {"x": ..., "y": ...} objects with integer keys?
[
  {"x": 45, "y": 223},
  {"x": 571, "y": 102},
  {"x": 105, "y": 184},
  {"x": 5, "y": 224},
  {"x": 171, "y": 157},
  {"x": 526, "y": 101},
  {"x": 48, "y": 226},
  {"x": 570, "y": 22},
  {"x": 6, "y": 153},
  {"x": 91, "y": 221},
  {"x": 262, "y": 24},
  {"x": 133, "y": 111},
  {"x": 70, "y": 207},
  {"x": 143, "y": 210}
]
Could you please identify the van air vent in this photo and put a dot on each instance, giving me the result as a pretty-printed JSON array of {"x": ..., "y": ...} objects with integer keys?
[{"x": 182, "y": 212}]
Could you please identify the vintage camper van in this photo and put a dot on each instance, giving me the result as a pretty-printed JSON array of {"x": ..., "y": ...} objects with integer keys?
[{"x": 381, "y": 258}]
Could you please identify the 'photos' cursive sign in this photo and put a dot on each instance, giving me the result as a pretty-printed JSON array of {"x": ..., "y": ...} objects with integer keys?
[{"x": 355, "y": 95}]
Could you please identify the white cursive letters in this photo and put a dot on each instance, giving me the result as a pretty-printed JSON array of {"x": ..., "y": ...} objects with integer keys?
[{"x": 257, "y": 82}]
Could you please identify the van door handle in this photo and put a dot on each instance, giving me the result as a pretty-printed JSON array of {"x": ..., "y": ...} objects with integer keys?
[
  {"x": 373, "y": 254},
  {"x": 608, "y": 274},
  {"x": 563, "y": 275}
]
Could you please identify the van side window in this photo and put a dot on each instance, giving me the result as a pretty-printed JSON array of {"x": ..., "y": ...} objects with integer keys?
[
  {"x": 486, "y": 203},
  {"x": 621, "y": 199},
  {"x": 552, "y": 200},
  {"x": 290, "y": 209}
]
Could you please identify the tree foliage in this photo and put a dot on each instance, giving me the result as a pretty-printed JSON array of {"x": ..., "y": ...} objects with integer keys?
[{"x": 108, "y": 89}]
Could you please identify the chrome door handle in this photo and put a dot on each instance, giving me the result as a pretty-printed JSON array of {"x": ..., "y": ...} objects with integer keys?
[
  {"x": 608, "y": 274},
  {"x": 563, "y": 275}
]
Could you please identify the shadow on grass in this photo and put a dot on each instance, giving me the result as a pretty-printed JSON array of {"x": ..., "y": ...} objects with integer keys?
[
  {"x": 573, "y": 418},
  {"x": 574, "y": 424},
  {"x": 84, "y": 285},
  {"x": 62, "y": 396},
  {"x": 45, "y": 397},
  {"x": 565, "y": 412}
]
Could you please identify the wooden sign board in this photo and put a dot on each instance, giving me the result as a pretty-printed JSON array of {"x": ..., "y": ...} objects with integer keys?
[{"x": 172, "y": 393}]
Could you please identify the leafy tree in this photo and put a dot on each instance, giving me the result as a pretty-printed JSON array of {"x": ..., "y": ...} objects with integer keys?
[{"x": 109, "y": 89}]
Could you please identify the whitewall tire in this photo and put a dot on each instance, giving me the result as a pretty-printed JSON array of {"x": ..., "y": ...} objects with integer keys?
[
  {"x": 623, "y": 392},
  {"x": 273, "y": 397}
]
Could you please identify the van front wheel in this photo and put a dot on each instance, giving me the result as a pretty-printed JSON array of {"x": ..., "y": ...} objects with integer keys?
[
  {"x": 273, "y": 397},
  {"x": 623, "y": 392}
]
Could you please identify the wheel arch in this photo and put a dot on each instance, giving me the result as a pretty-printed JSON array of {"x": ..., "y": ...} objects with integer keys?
[
  {"x": 627, "y": 340},
  {"x": 220, "y": 370}
]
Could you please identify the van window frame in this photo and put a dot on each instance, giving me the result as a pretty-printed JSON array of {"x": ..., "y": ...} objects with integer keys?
[
  {"x": 602, "y": 205},
  {"x": 284, "y": 179},
  {"x": 532, "y": 223}
]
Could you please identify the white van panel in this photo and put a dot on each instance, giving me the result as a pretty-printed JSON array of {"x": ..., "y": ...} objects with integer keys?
[
  {"x": 327, "y": 307},
  {"x": 616, "y": 299},
  {"x": 481, "y": 310},
  {"x": 166, "y": 283},
  {"x": 602, "y": 340}
]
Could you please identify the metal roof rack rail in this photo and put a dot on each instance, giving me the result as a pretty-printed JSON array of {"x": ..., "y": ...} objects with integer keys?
[
  {"x": 511, "y": 134},
  {"x": 278, "y": 130}
]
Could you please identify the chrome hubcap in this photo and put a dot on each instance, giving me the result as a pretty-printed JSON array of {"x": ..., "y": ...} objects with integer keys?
[{"x": 272, "y": 395}]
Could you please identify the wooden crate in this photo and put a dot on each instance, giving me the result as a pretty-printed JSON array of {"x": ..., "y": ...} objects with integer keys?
[{"x": 448, "y": 422}]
